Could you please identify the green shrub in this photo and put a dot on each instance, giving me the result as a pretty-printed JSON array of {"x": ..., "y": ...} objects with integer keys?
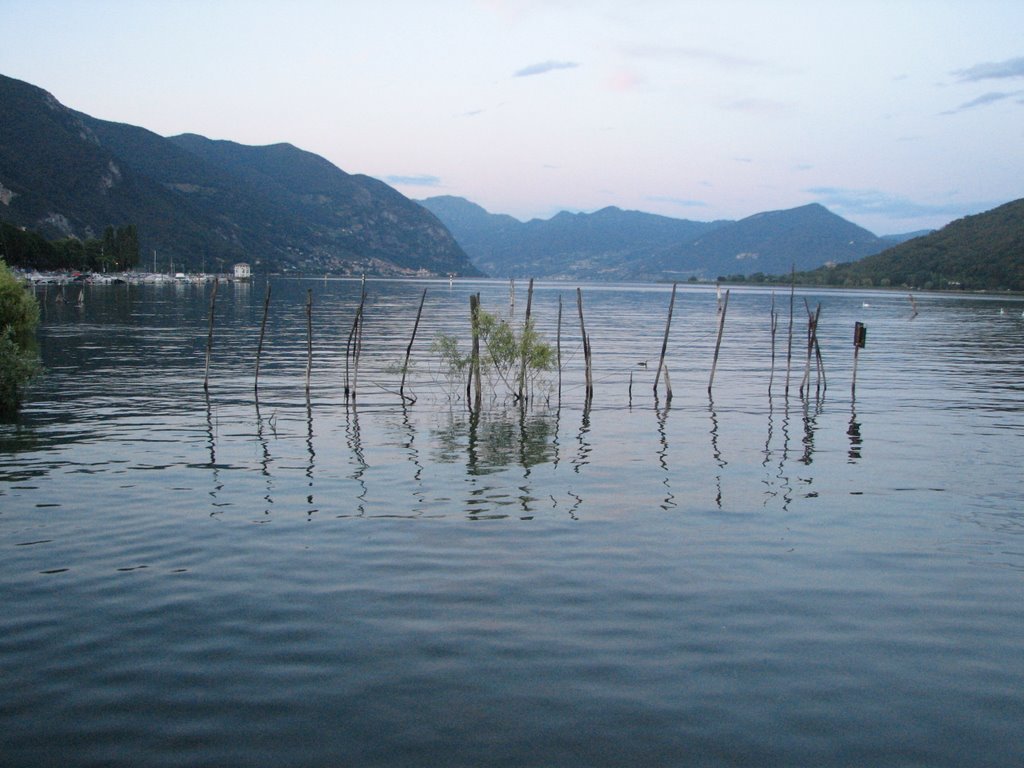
[{"x": 19, "y": 362}]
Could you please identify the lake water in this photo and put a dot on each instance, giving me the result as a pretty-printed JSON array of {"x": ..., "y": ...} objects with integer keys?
[{"x": 743, "y": 579}]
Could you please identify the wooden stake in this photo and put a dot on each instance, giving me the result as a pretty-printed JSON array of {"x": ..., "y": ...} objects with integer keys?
[
  {"x": 358, "y": 347},
  {"x": 474, "y": 360},
  {"x": 860, "y": 333},
  {"x": 586, "y": 348},
  {"x": 526, "y": 326},
  {"x": 209, "y": 336},
  {"x": 259, "y": 347},
  {"x": 664, "y": 343},
  {"x": 558, "y": 347},
  {"x": 718, "y": 342},
  {"x": 789, "y": 346},
  {"x": 349, "y": 345},
  {"x": 309, "y": 337},
  {"x": 408, "y": 350},
  {"x": 774, "y": 326},
  {"x": 805, "y": 381}
]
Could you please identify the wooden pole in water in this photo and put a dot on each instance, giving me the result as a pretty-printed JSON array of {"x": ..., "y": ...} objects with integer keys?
[
  {"x": 350, "y": 344},
  {"x": 525, "y": 351},
  {"x": 774, "y": 326},
  {"x": 408, "y": 350},
  {"x": 664, "y": 343},
  {"x": 821, "y": 384},
  {"x": 477, "y": 377},
  {"x": 789, "y": 347},
  {"x": 558, "y": 347},
  {"x": 309, "y": 336},
  {"x": 259, "y": 346},
  {"x": 358, "y": 349},
  {"x": 806, "y": 380},
  {"x": 209, "y": 336},
  {"x": 718, "y": 342},
  {"x": 860, "y": 333},
  {"x": 586, "y": 347}
]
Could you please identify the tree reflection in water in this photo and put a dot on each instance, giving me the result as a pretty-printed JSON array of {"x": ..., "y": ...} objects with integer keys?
[{"x": 493, "y": 440}]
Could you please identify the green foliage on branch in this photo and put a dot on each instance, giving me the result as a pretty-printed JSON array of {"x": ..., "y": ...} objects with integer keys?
[
  {"x": 19, "y": 362},
  {"x": 502, "y": 352}
]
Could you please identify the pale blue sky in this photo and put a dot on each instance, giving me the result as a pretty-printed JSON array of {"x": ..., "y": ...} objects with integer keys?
[{"x": 897, "y": 115}]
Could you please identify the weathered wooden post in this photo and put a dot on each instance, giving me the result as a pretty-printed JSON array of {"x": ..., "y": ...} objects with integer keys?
[
  {"x": 913, "y": 306},
  {"x": 525, "y": 351},
  {"x": 664, "y": 343},
  {"x": 586, "y": 348},
  {"x": 774, "y": 327},
  {"x": 209, "y": 335},
  {"x": 474, "y": 360},
  {"x": 408, "y": 350},
  {"x": 805, "y": 381},
  {"x": 349, "y": 345},
  {"x": 860, "y": 337},
  {"x": 309, "y": 337},
  {"x": 718, "y": 342},
  {"x": 789, "y": 347},
  {"x": 558, "y": 347},
  {"x": 259, "y": 346}
]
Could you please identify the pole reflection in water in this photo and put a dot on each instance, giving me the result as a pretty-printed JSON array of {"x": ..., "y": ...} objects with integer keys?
[
  {"x": 312, "y": 456},
  {"x": 211, "y": 440},
  {"x": 853, "y": 431},
  {"x": 787, "y": 487},
  {"x": 584, "y": 448},
  {"x": 662, "y": 418},
  {"x": 354, "y": 440},
  {"x": 715, "y": 452},
  {"x": 770, "y": 493},
  {"x": 413, "y": 454},
  {"x": 810, "y": 425},
  {"x": 265, "y": 459}
]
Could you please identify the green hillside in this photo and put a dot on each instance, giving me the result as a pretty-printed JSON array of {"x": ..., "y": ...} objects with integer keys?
[{"x": 981, "y": 252}]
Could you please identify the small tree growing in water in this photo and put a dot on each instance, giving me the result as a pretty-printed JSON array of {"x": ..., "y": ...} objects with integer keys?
[
  {"x": 502, "y": 353},
  {"x": 19, "y": 362}
]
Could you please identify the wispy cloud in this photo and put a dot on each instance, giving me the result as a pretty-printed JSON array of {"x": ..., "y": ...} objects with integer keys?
[
  {"x": 544, "y": 67},
  {"x": 993, "y": 70},
  {"x": 752, "y": 106},
  {"x": 874, "y": 201},
  {"x": 986, "y": 98},
  {"x": 687, "y": 53},
  {"x": 414, "y": 181},
  {"x": 682, "y": 202}
]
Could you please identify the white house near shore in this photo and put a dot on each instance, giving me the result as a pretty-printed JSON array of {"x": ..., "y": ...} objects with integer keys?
[{"x": 242, "y": 271}]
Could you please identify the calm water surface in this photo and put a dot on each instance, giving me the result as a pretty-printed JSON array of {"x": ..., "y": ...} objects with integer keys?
[{"x": 742, "y": 579}]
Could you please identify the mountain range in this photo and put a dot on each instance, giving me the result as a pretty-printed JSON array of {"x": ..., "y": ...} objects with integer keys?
[
  {"x": 200, "y": 202},
  {"x": 629, "y": 245}
]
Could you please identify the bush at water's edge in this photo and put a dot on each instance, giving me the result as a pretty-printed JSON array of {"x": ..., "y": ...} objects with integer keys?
[{"x": 19, "y": 360}]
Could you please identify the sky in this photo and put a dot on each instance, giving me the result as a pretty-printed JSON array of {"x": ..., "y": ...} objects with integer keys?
[{"x": 898, "y": 115}]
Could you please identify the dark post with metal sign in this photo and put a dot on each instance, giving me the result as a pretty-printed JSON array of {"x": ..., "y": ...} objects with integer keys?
[{"x": 860, "y": 337}]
